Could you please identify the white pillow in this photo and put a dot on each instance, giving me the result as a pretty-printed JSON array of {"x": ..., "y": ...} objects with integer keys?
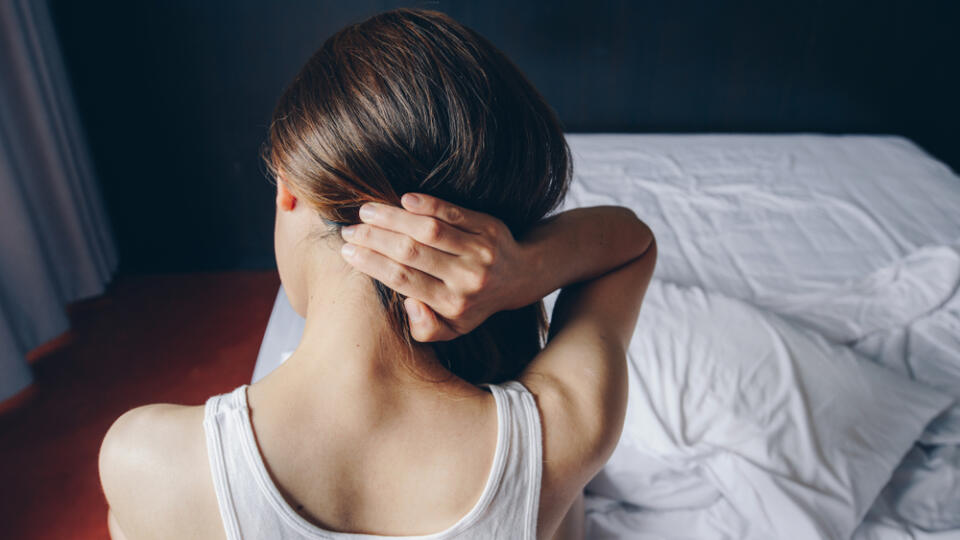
[{"x": 798, "y": 434}]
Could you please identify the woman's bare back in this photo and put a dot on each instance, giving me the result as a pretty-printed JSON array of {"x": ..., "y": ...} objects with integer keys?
[{"x": 395, "y": 469}]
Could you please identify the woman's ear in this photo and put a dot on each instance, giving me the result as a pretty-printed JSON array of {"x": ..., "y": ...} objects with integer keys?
[{"x": 285, "y": 199}]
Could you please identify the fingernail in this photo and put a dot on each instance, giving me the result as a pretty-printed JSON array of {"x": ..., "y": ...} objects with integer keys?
[
  {"x": 414, "y": 311},
  {"x": 347, "y": 232},
  {"x": 410, "y": 199},
  {"x": 367, "y": 212},
  {"x": 347, "y": 250}
]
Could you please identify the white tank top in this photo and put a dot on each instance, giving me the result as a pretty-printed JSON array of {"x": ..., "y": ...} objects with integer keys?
[{"x": 251, "y": 506}]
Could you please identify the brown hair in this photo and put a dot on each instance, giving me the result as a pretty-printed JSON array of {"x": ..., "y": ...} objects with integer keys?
[{"x": 411, "y": 100}]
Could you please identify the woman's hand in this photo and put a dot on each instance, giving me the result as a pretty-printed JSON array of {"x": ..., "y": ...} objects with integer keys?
[{"x": 456, "y": 266}]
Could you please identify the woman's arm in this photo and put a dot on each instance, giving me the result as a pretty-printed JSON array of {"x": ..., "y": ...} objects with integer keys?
[
  {"x": 580, "y": 377},
  {"x": 458, "y": 267},
  {"x": 579, "y": 245}
]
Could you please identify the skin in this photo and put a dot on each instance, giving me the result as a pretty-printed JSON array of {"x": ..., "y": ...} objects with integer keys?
[{"x": 344, "y": 387}]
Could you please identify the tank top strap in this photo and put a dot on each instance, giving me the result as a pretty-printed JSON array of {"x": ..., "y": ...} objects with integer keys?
[
  {"x": 251, "y": 506},
  {"x": 220, "y": 425},
  {"x": 518, "y": 499}
]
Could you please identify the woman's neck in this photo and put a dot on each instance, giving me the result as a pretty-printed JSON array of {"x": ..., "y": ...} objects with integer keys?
[{"x": 349, "y": 350}]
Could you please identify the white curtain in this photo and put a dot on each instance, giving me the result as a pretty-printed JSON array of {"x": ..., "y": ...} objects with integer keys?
[{"x": 55, "y": 239}]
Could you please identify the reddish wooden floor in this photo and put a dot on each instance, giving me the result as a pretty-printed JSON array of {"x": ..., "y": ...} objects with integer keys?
[{"x": 149, "y": 339}]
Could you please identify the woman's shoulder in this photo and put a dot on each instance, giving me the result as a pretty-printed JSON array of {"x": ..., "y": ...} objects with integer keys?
[{"x": 156, "y": 475}]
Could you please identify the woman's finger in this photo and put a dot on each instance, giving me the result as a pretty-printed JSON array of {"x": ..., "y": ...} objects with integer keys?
[
  {"x": 406, "y": 281},
  {"x": 458, "y": 216},
  {"x": 424, "y": 229},
  {"x": 402, "y": 249},
  {"x": 425, "y": 326}
]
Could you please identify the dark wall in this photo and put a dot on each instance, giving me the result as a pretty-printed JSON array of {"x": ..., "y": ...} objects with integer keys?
[{"x": 176, "y": 96}]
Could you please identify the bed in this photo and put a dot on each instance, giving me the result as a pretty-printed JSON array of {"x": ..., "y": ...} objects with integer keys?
[{"x": 796, "y": 367}]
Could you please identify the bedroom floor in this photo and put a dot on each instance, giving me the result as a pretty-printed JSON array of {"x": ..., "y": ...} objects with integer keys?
[{"x": 176, "y": 338}]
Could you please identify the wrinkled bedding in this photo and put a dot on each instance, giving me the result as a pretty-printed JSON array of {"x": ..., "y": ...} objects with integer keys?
[
  {"x": 796, "y": 435},
  {"x": 852, "y": 240},
  {"x": 854, "y": 237}
]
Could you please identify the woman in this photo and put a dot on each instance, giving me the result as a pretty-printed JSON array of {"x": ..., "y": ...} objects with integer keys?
[{"x": 414, "y": 167}]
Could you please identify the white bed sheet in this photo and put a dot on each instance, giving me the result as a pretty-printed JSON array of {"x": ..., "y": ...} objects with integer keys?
[
  {"x": 857, "y": 237},
  {"x": 795, "y": 434},
  {"x": 754, "y": 216}
]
